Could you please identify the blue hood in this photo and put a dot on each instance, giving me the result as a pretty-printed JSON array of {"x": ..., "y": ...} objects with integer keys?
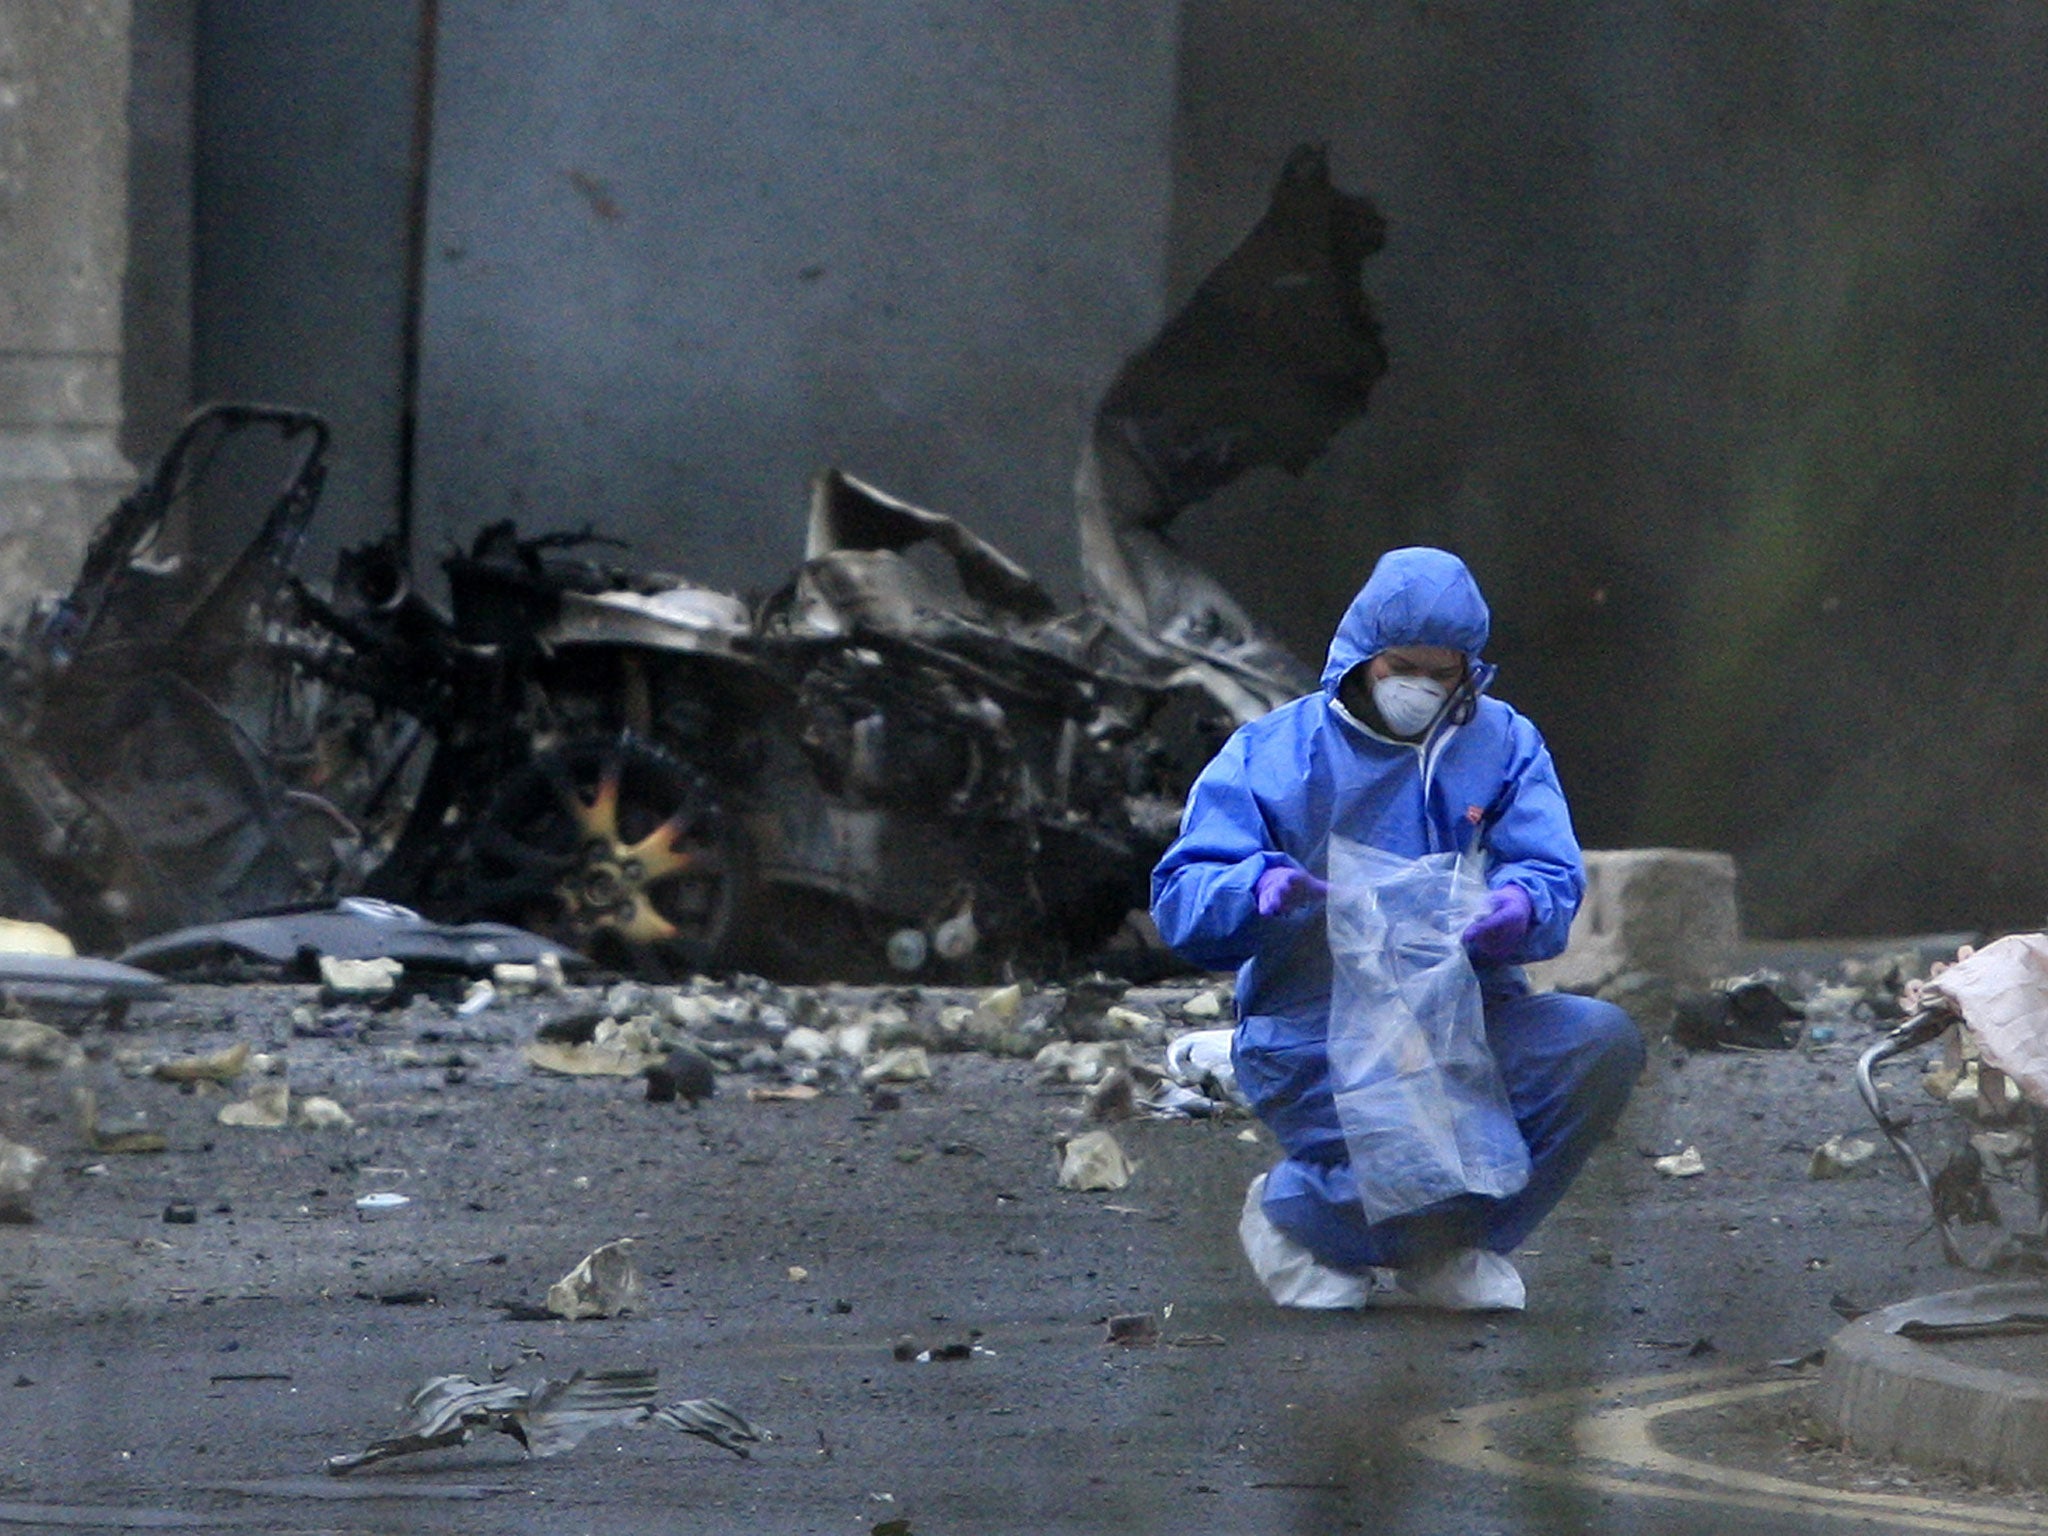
[{"x": 1415, "y": 596}]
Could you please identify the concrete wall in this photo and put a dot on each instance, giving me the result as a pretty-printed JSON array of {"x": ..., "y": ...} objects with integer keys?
[
  {"x": 683, "y": 256},
  {"x": 1718, "y": 349},
  {"x": 63, "y": 177},
  {"x": 302, "y": 176},
  {"x": 156, "y": 291}
]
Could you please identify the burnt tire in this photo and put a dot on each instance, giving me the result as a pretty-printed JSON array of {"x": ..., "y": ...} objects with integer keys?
[{"x": 619, "y": 849}]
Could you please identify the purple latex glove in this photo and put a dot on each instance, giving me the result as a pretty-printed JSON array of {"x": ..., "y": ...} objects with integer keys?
[
  {"x": 1286, "y": 887},
  {"x": 1498, "y": 932}
]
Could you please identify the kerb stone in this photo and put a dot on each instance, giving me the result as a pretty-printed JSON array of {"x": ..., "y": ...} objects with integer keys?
[{"x": 1667, "y": 911}]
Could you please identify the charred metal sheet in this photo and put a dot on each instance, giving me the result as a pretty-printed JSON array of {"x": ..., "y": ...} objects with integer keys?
[
  {"x": 132, "y": 793},
  {"x": 1275, "y": 351},
  {"x": 547, "y": 1418},
  {"x": 79, "y": 973},
  {"x": 686, "y": 619},
  {"x": 354, "y": 929},
  {"x": 849, "y": 514}
]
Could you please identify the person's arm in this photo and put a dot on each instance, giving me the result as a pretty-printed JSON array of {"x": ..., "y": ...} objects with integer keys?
[
  {"x": 1205, "y": 892},
  {"x": 1529, "y": 833}
]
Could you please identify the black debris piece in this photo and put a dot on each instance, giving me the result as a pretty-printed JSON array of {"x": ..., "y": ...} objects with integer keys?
[{"x": 1744, "y": 1015}]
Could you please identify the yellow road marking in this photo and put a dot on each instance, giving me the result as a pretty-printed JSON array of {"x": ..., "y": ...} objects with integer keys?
[{"x": 1619, "y": 1434}]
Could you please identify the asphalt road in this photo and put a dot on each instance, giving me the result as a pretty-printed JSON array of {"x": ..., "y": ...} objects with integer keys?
[{"x": 195, "y": 1377}]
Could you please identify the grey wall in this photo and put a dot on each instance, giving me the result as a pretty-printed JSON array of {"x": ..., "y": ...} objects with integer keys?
[
  {"x": 683, "y": 256},
  {"x": 156, "y": 292},
  {"x": 1718, "y": 349},
  {"x": 302, "y": 153}
]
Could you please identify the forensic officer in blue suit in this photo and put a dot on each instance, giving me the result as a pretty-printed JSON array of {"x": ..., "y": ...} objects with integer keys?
[{"x": 1401, "y": 749}]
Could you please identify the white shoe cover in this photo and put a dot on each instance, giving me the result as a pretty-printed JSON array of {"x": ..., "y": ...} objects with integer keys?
[
  {"x": 1467, "y": 1280},
  {"x": 1201, "y": 1059},
  {"x": 1288, "y": 1271}
]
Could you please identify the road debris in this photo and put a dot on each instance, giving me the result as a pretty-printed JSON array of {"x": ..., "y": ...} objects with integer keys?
[
  {"x": 1081, "y": 1061},
  {"x": 37, "y": 1045},
  {"x": 1143, "y": 1090},
  {"x": 85, "y": 1103},
  {"x": 319, "y": 1113},
  {"x": 268, "y": 1108},
  {"x": 356, "y": 980},
  {"x": 606, "y": 1048},
  {"x": 547, "y": 1418},
  {"x": 1840, "y": 1156},
  {"x": 292, "y": 944},
  {"x": 73, "y": 976},
  {"x": 1988, "y": 1010},
  {"x": 1681, "y": 1165},
  {"x": 1979, "y": 1312},
  {"x": 909, "y": 1350},
  {"x": 382, "y": 1200},
  {"x": 1132, "y": 1330},
  {"x": 1094, "y": 1160},
  {"x": 1749, "y": 1013},
  {"x": 793, "y": 1093},
  {"x": 222, "y": 1066},
  {"x": 685, "y": 1073},
  {"x": 24, "y": 938},
  {"x": 903, "y": 1064},
  {"x": 606, "y": 1283},
  {"x": 19, "y": 1166}
]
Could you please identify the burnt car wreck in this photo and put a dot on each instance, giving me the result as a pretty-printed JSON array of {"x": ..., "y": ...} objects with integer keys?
[{"x": 905, "y": 760}]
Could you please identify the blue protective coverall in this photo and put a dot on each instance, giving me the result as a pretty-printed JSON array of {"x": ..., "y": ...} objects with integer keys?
[{"x": 1271, "y": 797}]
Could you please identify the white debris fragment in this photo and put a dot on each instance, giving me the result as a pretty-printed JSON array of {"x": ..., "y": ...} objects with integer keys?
[
  {"x": 222, "y": 1066},
  {"x": 1681, "y": 1165},
  {"x": 359, "y": 978},
  {"x": 24, "y": 938},
  {"x": 37, "y": 1045},
  {"x": 1094, "y": 1160},
  {"x": 1839, "y": 1156},
  {"x": 1002, "y": 1004},
  {"x": 1082, "y": 1062},
  {"x": 479, "y": 996},
  {"x": 19, "y": 1166},
  {"x": 267, "y": 1108},
  {"x": 514, "y": 980},
  {"x": 904, "y": 1064},
  {"x": 806, "y": 1044},
  {"x": 1120, "y": 1020},
  {"x": 323, "y": 1114},
  {"x": 605, "y": 1284}
]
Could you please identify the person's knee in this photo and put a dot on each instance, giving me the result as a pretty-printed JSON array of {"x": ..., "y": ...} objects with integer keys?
[
  {"x": 1614, "y": 1041},
  {"x": 1610, "y": 1044}
]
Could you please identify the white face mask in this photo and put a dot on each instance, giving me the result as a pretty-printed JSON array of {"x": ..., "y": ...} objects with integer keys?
[{"x": 1408, "y": 704}]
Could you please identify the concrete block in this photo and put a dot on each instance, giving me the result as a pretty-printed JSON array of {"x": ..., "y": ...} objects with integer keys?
[
  {"x": 1943, "y": 1406},
  {"x": 1666, "y": 911}
]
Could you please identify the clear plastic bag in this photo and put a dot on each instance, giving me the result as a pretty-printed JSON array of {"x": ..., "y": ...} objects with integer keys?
[{"x": 1424, "y": 1113}]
